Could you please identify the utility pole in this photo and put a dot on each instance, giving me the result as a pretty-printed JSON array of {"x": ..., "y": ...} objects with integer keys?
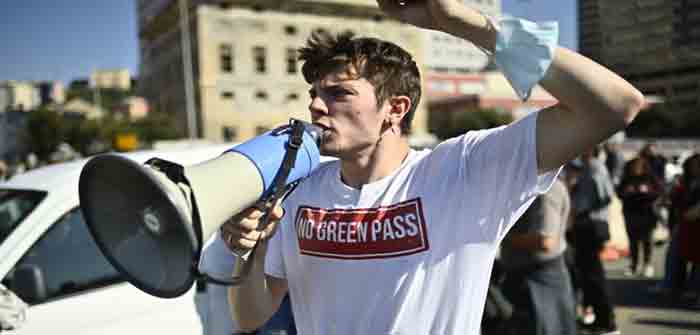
[
  {"x": 96, "y": 99},
  {"x": 187, "y": 69}
]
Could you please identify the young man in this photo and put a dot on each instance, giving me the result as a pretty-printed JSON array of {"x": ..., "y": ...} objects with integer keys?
[
  {"x": 591, "y": 195},
  {"x": 388, "y": 240}
]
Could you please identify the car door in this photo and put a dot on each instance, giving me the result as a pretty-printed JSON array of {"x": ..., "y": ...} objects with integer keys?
[{"x": 72, "y": 289}]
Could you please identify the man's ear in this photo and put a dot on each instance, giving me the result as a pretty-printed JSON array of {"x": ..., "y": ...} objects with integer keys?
[{"x": 399, "y": 107}]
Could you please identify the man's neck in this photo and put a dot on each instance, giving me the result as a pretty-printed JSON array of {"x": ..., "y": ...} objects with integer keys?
[{"x": 375, "y": 163}]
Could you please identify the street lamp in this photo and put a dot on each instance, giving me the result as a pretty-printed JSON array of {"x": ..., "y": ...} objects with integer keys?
[{"x": 187, "y": 69}]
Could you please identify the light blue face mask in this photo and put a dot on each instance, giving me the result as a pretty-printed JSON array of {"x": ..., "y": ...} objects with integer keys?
[{"x": 524, "y": 51}]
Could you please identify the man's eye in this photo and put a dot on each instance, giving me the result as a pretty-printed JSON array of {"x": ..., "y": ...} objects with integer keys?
[{"x": 340, "y": 93}]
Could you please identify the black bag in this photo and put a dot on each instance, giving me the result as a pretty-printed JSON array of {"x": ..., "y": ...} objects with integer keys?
[
  {"x": 587, "y": 231},
  {"x": 497, "y": 310},
  {"x": 601, "y": 231}
]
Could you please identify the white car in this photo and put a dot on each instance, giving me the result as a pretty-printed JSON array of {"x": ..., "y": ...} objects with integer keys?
[{"x": 49, "y": 260}]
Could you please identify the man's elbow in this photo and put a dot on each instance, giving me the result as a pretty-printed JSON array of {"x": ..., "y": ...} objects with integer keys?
[{"x": 631, "y": 105}]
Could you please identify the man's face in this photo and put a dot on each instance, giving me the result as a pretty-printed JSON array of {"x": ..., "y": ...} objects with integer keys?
[{"x": 346, "y": 109}]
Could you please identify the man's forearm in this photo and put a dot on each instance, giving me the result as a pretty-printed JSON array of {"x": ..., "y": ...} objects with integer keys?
[
  {"x": 574, "y": 80},
  {"x": 581, "y": 84},
  {"x": 252, "y": 303},
  {"x": 531, "y": 241},
  {"x": 471, "y": 25}
]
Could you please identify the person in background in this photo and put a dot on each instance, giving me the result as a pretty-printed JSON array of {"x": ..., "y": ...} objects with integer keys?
[
  {"x": 657, "y": 162},
  {"x": 212, "y": 303},
  {"x": 590, "y": 197},
  {"x": 639, "y": 190},
  {"x": 686, "y": 204},
  {"x": 614, "y": 161},
  {"x": 537, "y": 280},
  {"x": 4, "y": 170}
]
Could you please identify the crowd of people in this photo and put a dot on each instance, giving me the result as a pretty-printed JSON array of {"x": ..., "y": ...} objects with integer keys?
[{"x": 549, "y": 278}]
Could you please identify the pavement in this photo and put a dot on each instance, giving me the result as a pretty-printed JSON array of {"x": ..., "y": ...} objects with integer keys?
[
  {"x": 639, "y": 309},
  {"x": 642, "y": 311}
]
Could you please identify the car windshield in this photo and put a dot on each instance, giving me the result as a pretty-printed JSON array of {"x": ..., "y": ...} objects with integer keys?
[{"x": 15, "y": 205}]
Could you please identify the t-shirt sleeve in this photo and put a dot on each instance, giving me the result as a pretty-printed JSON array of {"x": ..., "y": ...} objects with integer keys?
[
  {"x": 498, "y": 169},
  {"x": 502, "y": 165}
]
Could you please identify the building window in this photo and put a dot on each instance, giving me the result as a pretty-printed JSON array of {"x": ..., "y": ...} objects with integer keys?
[
  {"x": 261, "y": 95},
  {"x": 227, "y": 95},
  {"x": 291, "y": 61},
  {"x": 260, "y": 59},
  {"x": 226, "y": 58},
  {"x": 320, "y": 31},
  {"x": 290, "y": 30},
  {"x": 292, "y": 97},
  {"x": 229, "y": 133}
]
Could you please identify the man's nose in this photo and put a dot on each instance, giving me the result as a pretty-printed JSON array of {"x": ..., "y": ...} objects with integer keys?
[{"x": 317, "y": 107}]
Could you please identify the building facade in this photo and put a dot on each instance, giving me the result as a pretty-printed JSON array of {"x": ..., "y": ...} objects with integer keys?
[
  {"x": 655, "y": 44},
  {"x": 19, "y": 95},
  {"x": 246, "y": 78},
  {"x": 447, "y": 54},
  {"x": 119, "y": 79},
  {"x": 51, "y": 92}
]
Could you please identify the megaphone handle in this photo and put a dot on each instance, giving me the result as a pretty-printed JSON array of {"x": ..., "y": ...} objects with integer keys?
[
  {"x": 267, "y": 205},
  {"x": 242, "y": 276},
  {"x": 245, "y": 253}
]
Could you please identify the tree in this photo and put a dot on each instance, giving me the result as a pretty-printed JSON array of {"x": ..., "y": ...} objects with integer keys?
[{"x": 44, "y": 132}]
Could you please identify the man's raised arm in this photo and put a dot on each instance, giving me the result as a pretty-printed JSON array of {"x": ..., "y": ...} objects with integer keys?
[{"x": 594, "y": 102}]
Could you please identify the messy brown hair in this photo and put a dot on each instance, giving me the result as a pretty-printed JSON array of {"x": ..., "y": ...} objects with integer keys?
[{"x": 391, "y": 70}]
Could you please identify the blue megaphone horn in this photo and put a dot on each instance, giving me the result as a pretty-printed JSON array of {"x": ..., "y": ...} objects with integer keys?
[{"x": 151, "y": 220}]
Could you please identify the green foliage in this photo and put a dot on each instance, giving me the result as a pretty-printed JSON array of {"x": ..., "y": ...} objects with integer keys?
[
  {"x": 448, "y": 125},
  {"x": 44, "y": 131},
  {"x": 156, "y": 126},
  {"x": 109, "y": 98}
]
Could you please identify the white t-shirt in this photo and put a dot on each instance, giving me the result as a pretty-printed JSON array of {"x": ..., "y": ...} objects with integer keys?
[
  {"x": 410, "y": 253},
  {"x": 213, "y": 306}
]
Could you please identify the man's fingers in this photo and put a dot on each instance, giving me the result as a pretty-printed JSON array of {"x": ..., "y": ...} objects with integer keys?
[
  {"x": 243, "y": 230},
  {"x": 277, "y": 213}
]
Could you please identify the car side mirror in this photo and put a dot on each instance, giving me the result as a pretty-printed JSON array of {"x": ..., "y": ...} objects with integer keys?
[{"x": 29, "y": 284}]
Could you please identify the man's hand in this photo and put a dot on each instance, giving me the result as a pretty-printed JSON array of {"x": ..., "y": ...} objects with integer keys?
[
  {"x": 420, "y": 13},
  {"x": 242, "y": 231},
  {"x": 449, "y": 16}
]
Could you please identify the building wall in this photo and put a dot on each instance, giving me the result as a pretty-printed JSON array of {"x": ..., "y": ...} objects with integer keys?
[
  {"x": 445, "y": 53},
  {"x": 243, "y": 103},
  {"x": 653, "y": 43},
  {"x": 51, "y": 92},
  {"x": 115, "y": 79},
  {"x": 19, "y": 95}
]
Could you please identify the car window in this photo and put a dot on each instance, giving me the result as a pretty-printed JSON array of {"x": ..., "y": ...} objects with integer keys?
[
  {"x": 68, "y": 259},
  {"x": 15, "y": 205}
]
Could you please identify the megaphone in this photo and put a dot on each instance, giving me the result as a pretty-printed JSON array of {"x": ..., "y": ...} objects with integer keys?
[{"x": 151, "y": 220}]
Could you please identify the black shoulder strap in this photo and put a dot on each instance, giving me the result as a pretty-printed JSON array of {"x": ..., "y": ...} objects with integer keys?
[{"x": 176, "y": 173}]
